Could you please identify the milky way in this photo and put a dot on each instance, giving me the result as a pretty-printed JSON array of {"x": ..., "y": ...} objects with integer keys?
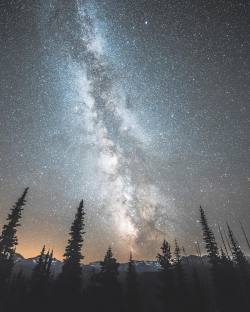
[
  {"x": 129, "y": 203},
  {"x": 138, "y": 108}
]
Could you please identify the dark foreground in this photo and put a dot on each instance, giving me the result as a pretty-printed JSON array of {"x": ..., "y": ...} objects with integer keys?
[{"x": 216, "y": 282}]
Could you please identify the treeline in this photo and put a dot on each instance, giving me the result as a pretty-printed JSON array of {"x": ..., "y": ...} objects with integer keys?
[{"x": 173, "y": 288}]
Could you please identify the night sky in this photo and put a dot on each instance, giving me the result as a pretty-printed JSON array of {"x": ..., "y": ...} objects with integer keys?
[{"x": 141, "y": 108}]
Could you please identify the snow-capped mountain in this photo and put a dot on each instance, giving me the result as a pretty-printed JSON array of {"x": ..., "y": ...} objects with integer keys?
[{"x": 26, "y": 265}]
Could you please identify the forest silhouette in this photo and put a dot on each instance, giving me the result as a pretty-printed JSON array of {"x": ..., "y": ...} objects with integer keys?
[{"x": 220, "y": 283}]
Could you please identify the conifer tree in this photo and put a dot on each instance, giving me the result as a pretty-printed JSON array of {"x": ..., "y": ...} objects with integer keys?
[
  {"x": 40, "y": 280},
  {"x": 224, "y": 259},
  {"x": 228, "y": 293},
  {"x": 38, "y": 269},
  {"x": 242, "y": 272},
  {"x": 41, "y": 272},
  {"x": 71, "y": 275},
  {"x": 109, "y": 265},
  {"x": 220, "y": 267},
  {"x": 49, "y": 261},
  {"x": 177, "y": 252},
  {"x": 132, "y": 295},
  {"x": 131, "y": 275},
  {"x": 238, "y": 255},
  {"x": 245, "y": 235},
  {"x": 177, "y": 256},
  {"x": 214, "y": 259},
  {"x": 8, "y": 238},
  {"x": 181, "y": 293},
  {"x": 178, "y": 266},
  {"x": 164, "y": 259},
  {"x": 111, "y": 289},
  {"x": 224, "y": 244},
  {"x": 209, "y": 239},
  {"x": 167, "y": 289}
]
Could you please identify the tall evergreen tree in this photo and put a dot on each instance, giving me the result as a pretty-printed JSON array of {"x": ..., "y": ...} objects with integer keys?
[
  {"x": 229, "y": 294},
  {"x": 167, "y": 288},
  {"x": 242, "y": 270},
  {"x": 214, "y": 259},
  {"x": 109, "y": 267},
  {"x": 181, "y": 291},
  {"x": 178, "y": 267},
  {"x": 48, "y": 264},
  {"x": 40, "y": 280},
  {"x": 38, "y": 269},
  {"x": 177, "y": 260},
  {"x": 245, "y": 235},
  {"x": 132, "y": 294},
  {"x": 164, "y": 259},
  {"x": 41, "y": 272},
  {"x": 209, "y": 239},
  {"x": 111, "y": 289},
  {"x": 67, "y": 292},
  {"x": 224, "y": 259},
  {"x": 8, "y": 238},
  {"x": 71, "y": 275},
  {"x": 238, "y": 255}
]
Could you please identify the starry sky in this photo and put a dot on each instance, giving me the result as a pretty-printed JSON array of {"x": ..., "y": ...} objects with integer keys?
[{"x": 141, "y": 108}]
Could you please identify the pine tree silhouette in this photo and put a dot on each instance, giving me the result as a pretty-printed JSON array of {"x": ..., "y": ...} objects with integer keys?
[
  {"x": 242, "y": 271},
  {"x": 238, "y": 255},
  {"x": 40, "y": 285},
  {"x": 109, "y": 265},
  {"x": 48, "y": 263},
  {"x": 229, "y": 294},
  {"x": 38, "y": 269},
  {"x": 224, "y": 258},
  {"x": 178, "y": 264},
  {"x": 166, "y": 275},
  {"x": 181, "y": 291},
  {"x": 8, "y": 239},
  {"x": 68, "y": 288},
  {"x": 72, "y": 270},
  {"x": 209, "y": 239},
  {"x": 214, "y": 259},
  {"x": 245, "y": 235},
  {"x": 132, "y": 294},
  {"x": 41, "y": 272},
  {"x": 111, "y": 289},
  {"x": 178, "y": 267},
  {"x": 164, "y": 259}
]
